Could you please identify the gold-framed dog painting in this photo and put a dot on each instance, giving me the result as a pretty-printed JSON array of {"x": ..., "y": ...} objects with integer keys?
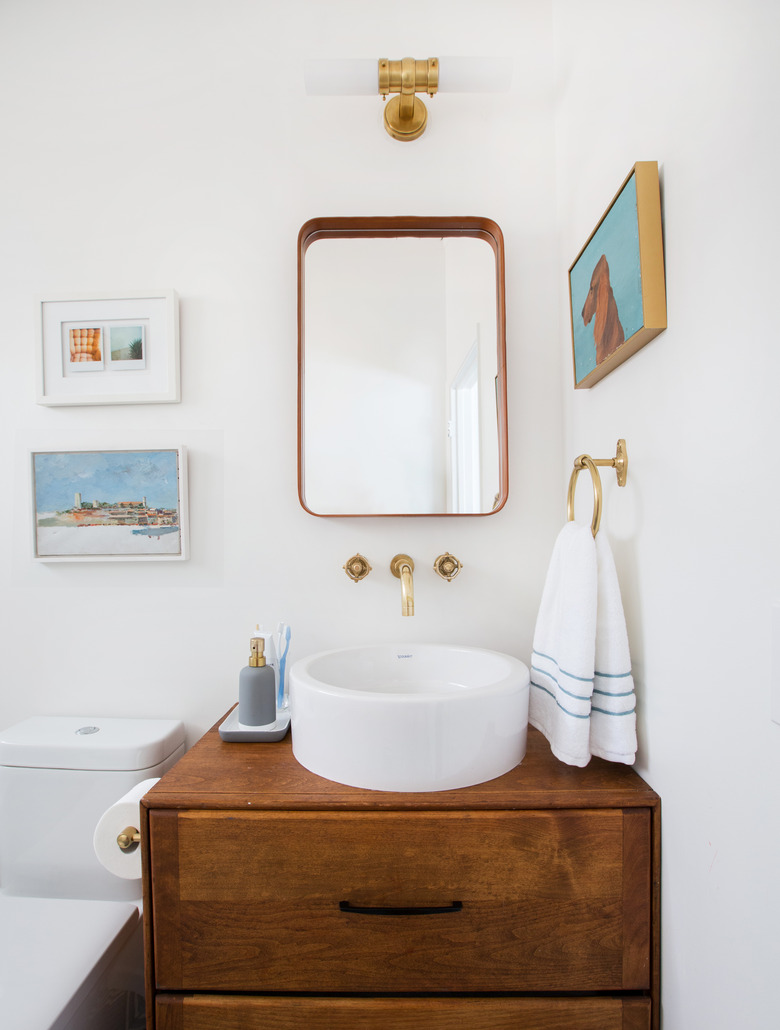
[{"x": 617, "y": 288}]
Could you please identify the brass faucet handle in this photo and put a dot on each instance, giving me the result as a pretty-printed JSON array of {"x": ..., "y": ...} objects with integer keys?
[
  {"x": 357, "y": 568},
  {"x": 447, "y": 566}
]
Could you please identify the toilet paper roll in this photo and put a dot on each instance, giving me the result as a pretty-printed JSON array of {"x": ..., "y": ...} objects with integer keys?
[{"x": 123, "y": 813}]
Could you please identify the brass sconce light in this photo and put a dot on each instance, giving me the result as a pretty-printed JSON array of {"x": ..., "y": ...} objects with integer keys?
[{"x": 406, "y": 115}]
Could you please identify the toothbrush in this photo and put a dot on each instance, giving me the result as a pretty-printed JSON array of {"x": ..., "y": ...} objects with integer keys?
[{"x": 284, "y": 635}]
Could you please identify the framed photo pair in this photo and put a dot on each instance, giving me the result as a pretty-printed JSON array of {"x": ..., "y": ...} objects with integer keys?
[
  {"x": 109, "y": 349},
  {"x": 617, "y": 288}
]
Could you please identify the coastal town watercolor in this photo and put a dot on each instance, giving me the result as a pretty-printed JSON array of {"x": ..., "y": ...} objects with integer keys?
[{"x": 109, "y": 505}]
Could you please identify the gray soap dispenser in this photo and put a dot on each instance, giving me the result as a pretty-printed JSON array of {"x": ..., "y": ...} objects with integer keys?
[
  {"x": 255, "y": 717},
  {"x": 257, "y": 688}
]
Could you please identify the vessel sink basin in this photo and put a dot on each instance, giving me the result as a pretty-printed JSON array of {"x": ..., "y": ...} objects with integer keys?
[{"x": 409, "y": 718}]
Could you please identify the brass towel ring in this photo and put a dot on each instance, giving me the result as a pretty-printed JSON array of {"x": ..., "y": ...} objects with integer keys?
[{"x": 619, "y": 463}]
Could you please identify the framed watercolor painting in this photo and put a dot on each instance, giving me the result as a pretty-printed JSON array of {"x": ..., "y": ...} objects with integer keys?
[
  {"x": 617, "y": 289},
  {"x": 121, "y": 505},
  {"x": 109, "y": 350}
]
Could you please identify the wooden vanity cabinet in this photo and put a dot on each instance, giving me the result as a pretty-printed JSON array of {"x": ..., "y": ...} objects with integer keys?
[{"x": 276, "y": 899}]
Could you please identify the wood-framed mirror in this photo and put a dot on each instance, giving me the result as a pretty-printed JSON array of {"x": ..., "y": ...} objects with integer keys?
[{"x": 401, "y": 367}]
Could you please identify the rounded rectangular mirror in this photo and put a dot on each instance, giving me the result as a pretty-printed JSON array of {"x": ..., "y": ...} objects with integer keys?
[{"x": 401, "y": 367}]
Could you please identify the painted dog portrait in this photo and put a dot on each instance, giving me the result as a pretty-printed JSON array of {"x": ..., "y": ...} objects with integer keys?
[{"x": 600, "y": 305}]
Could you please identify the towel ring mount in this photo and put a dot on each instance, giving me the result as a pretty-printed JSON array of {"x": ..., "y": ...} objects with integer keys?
[{"x": 619, "y": 463}]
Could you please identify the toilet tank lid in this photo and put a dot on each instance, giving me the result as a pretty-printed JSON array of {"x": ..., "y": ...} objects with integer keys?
[{"x": 74, "y": 742}]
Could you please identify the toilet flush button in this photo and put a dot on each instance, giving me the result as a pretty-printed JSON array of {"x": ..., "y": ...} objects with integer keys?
[{"x": 86, "y": 730}]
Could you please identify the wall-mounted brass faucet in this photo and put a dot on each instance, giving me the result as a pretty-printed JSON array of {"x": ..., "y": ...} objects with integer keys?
[{"x": 402, "y": 568}]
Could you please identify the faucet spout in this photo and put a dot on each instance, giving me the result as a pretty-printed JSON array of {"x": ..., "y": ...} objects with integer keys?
[{"x": 402, "y": 568}]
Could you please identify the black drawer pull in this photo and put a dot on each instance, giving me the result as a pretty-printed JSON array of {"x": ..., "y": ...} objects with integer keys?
[{"x": 384, "y": 910}]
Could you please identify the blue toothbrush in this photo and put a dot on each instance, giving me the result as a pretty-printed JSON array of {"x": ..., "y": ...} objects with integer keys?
[{"x": 284, "y": 633}]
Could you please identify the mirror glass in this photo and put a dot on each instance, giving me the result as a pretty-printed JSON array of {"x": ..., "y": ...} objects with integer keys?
[{"x": 402, "y": 392}]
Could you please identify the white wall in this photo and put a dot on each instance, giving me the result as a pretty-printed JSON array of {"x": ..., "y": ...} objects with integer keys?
[
  {"x": 693, "y": 85},
  {"x": 170, "y": 143}
]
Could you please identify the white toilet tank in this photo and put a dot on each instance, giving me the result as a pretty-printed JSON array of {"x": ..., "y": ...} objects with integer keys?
[{"x": 58, "y": 774}]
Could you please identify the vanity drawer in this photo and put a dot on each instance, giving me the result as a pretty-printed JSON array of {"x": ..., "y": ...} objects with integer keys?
[
  {"x": 239, "y": 1013},
  {"x": 340, "y": 901}
]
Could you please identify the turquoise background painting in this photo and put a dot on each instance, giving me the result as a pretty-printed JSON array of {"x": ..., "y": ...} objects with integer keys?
[{"x": 618, "y": 239}]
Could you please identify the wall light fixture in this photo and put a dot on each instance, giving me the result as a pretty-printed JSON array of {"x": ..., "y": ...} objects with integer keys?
[{"x": 405, "y": 115}]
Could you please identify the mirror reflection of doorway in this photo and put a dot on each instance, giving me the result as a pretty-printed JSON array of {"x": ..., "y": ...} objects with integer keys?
[{"x": 464, "y": 435}]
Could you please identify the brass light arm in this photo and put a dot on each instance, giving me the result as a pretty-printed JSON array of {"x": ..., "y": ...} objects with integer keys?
[{"x": 406, "y": 115}]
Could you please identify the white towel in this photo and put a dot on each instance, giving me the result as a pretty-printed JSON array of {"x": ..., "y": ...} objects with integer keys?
[
  {"x": 580, "y": 643},
  {"x": 564, "y": 647},
  {"x": 613, "y": 710}
]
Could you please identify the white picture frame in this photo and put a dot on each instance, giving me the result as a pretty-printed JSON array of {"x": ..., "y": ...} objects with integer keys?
[
  {"x": 108, "y": 349},
  {"x": 117, "y": 505}
]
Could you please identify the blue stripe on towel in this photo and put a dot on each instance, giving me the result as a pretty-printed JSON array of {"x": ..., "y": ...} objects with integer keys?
[
  {"x": 549, "y": 675},
  {"x": 549, "y": 657},
  {"x": 603, "y": 711},
  {"x": 608, "y": 693},
  {"x": 574, "y": 715},
  {"x": 613, "y": 675}
]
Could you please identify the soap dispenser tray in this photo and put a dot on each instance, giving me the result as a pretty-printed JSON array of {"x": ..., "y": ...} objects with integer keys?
[{"x": 233, "y": 731}]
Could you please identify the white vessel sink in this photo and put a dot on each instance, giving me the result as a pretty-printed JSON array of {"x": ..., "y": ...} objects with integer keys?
[{"x": 409, "y": 718}]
